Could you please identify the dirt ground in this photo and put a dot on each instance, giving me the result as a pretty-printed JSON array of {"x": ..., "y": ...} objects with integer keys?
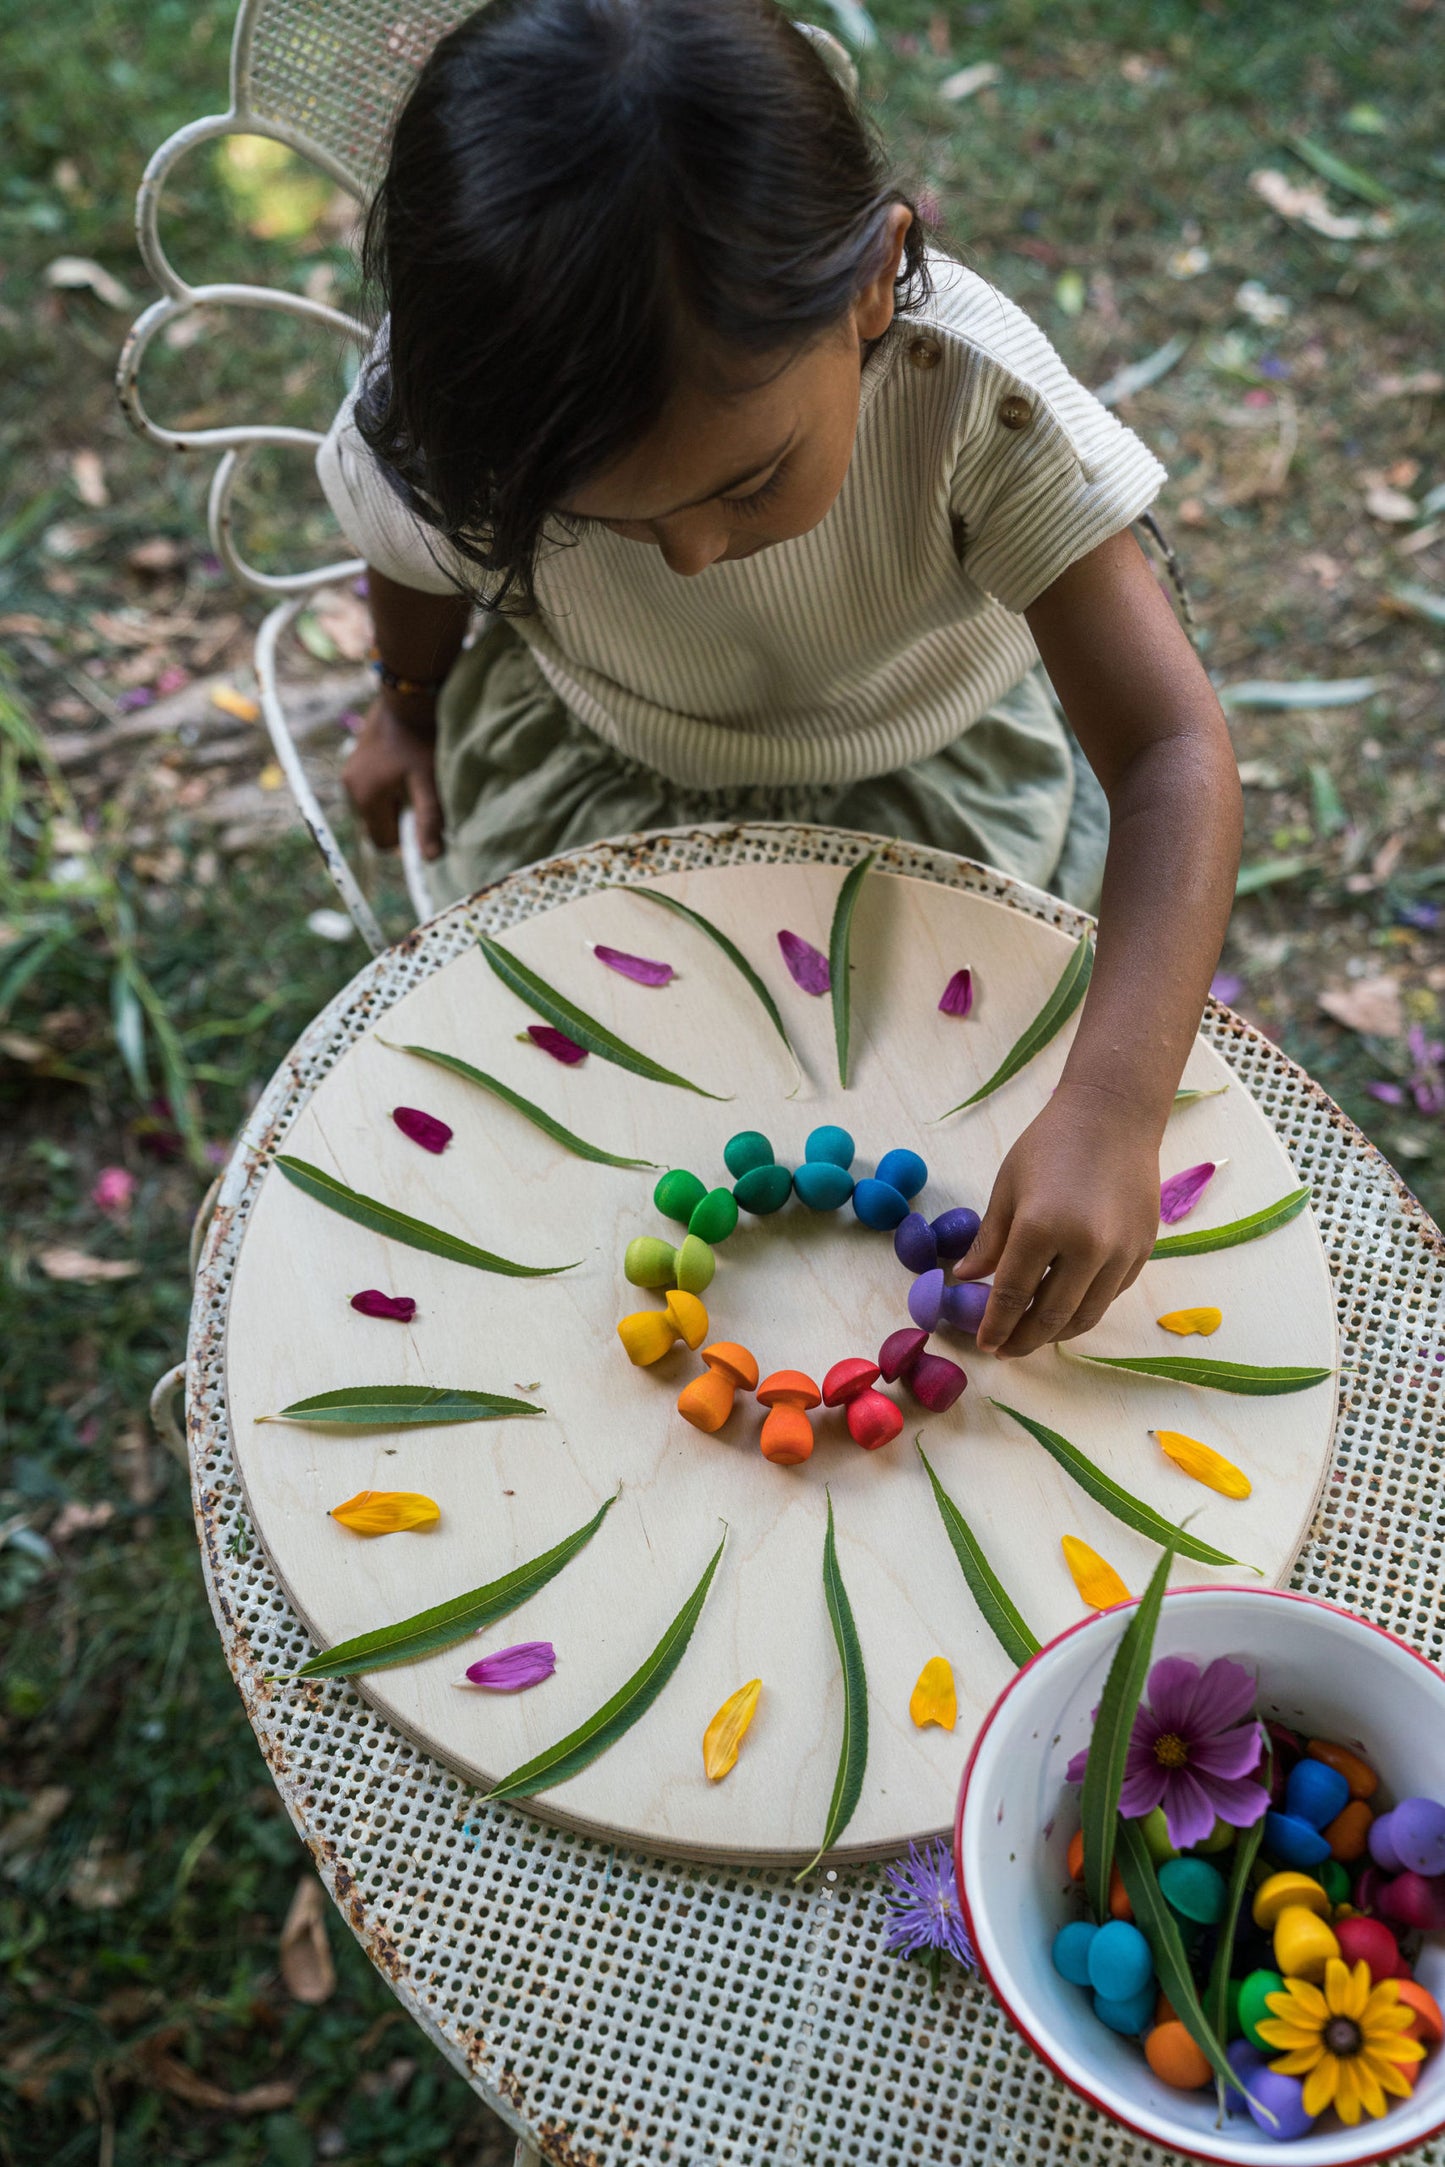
[{"x": 1249, "y": 200}]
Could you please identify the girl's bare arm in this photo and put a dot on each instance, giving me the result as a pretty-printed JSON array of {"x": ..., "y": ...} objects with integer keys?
[{"x": 393, "y": 761}]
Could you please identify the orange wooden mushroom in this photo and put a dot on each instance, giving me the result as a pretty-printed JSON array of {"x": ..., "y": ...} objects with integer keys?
[
  {"x": 787, "y": 1433},
  {"x": 708, "y": 1401}
]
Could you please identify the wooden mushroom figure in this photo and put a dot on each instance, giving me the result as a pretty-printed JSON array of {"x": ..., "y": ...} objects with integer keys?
[
  {"x": 873, "y": 1419},
  {"x": 708, "y": 1401},
  {"x": 787, "y": 1433}
]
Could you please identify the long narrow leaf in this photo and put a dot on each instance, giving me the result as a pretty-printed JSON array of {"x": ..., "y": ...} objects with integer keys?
[
  {"x": 369, "y": 1211},
  {"x": 1203, "y": 1370},
  {"x": 1009, "y": 1629},
  {"x": 1199, "y": 1240},
  {"x": 1109, "y": 1739},
  {"x": 616, "y": 1716},
  {"x": 1106, "y": 1492},
  {"x": 840, "y": 941},
  {"x": 446, "y": 1623},
  {"x": 1160, "y": 1929},
  {"x": 1073, "y": 984},
  {"x": 394, "y": 1406},
  {"x": 853, "y": 1749},
  {"x": 1187, "y": 1097},
  {"x": 1340, "y": 173},
  {"x": 534, "y": 1114},
  {"x": 734, "y": 955},
  {"x": 1246, "y": 1851},
  {"x": 586, "y": 1030}
]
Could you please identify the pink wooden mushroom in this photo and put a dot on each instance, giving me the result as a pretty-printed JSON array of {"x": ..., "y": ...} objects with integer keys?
[{"x": 872, "y": 1418}]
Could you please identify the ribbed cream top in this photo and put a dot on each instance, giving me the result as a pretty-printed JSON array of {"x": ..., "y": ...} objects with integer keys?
[{"x": 981, "y": 471}]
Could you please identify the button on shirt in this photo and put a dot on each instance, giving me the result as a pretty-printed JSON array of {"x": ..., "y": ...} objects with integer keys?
[{"x": 982, "y": 470}]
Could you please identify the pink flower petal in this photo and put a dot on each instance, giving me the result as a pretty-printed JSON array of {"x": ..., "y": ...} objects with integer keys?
[
  {"x": 512, "y": 1670},
  {"x": 640, "y": 968},
  {"x": 1181, "y": 1192},
  {"x": 557, "y": 1043},
  {"x": 112, "y": 1191},
  {"x": 422, "y": 1128},
  {"x": 807, "y": 964},
  {"x": 1389, "y": 1094},
  {"x": 373, "y": 1303},
  {"x": 957, "y": 994}
]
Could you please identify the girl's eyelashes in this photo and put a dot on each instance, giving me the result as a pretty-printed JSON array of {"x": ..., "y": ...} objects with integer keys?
[{"x": 758, "y": 497}]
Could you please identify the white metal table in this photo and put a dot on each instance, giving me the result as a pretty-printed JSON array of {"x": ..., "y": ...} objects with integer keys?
[{"x": 613, "y": 2007}]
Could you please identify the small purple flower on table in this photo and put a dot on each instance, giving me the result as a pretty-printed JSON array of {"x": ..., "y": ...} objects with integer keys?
[
  {"x": 1194, "y": 1750},
  {"x": 557, "y": 1043},
  {"x": 641, "y": 969},
  {"x": 512, "y": 1670},
  {"x": 807, "y": 965},
  {"x": 371, "y": 1302},
  {"x": 1181, "y": 1192},
  {"x": 422, "y": 1128},
  {"x": 958, "y": 994},
  {"x": 925, "y": 1917}
]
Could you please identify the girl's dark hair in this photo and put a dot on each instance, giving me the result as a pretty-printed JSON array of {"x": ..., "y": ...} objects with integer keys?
[{"x": 583, "y": 198}]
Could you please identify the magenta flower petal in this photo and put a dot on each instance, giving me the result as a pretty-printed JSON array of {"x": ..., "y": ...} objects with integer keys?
[
  {"x": 1226, "y": 987},
  {"x": 1227, "y": 1755},
  {"x": 511, "y": 1670},
  {"x": 640, "y": 968},
  {"x": 557, "y": 1043},
  {"x": 1140, "y": 1794},
  {"x": 1189, "y": 1813},
  {"x": 422, "y": 1128},
  {"x": 1225, "y": 1695},
  {"x": 1240, "y": 1802},
  {"x": 113, "y": 1190},
  {"x": 373, "y": 1303},
  {"x": 1078, "y": 1762},
  {"x": 957, "y": 994},
  {"x": 808, "y": 965},
  {"x": 1171, "y": 1687},
  {"x": 1181, "y": 1192},
  {"x": 1389, "y": 1094}
]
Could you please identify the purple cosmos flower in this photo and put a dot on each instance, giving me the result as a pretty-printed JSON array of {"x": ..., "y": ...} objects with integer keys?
[
  {"x": 1181, "y": 1192},
  {"x": 371, "y": 1302},
  {"x": 807, "y": 964},
  {"x": 957, "y": 994},
  {"x": 641, "y": 969},
  {"x": 924, "y": 1914},
  {"x": 557, "y": 1043},
  {"x": 1226, "y": 987},
  {"x": 422, "y": 1128},
  {"x": 1427, "y": 1082},
  {"x": 1389, "y": 1094},
  {"x": 511, "y": 1670},
  {"x": 1192, "y": 1751}
]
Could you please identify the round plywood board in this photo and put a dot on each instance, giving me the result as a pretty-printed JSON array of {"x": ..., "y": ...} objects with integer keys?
[{"x": 802, "y": 1291}]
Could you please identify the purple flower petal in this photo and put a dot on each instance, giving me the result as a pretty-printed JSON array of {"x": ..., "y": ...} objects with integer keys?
[
  {"x": 1181, "y": 1192},
  {"x": 1141, "y": 1793},
  {"x": 645, "y": 973},
  {"x": 557, "y": 1043},
  {"x": 1189, "y": 1813},
  {"x": 373, "y": 1303},
  {"x": 1078, "y": 1762},
  {"x": 1226, "y": 987},
  {"x": 1227, "y": 1754},
  {"x": 808, "y": 965},
  {"x": 1225, "y": 1695},
  {"x": 511, "y": 1670},
  {"x": 1171, "y": 1687},
  {"x": 423, "y": 1129},
  {"x": 1237, "y": 1801},
  {"x": 1388, "y": 1094},
  {"x": 957, "y": 994}
]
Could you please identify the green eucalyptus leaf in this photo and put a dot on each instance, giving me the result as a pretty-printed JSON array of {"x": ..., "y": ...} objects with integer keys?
[
  {"x": 557, "y": 1010},
  {"x": 393, "y": 1406},
  {"x": 1120, "y": 1502},
  {"x": 1200, "y": 1240},
  {"x": 1160, "y": 1929},
  {"x": 1203, "y": 1370},
  {"x": 1006, "y": 1624},
  {"x": 840, "y": 941},
  {"x": 853, "y": 1749},
  {"x": 446, "y": 1623},
  {"x": 1109, "y": 1739},
  {"x": 1073, "y": 984},
  {"x": 534, "y": 1114},
  {"x": 616, "y": 1716},
  {"x": 734, "y": 955},
  {"x": 369, "y": 1211}
]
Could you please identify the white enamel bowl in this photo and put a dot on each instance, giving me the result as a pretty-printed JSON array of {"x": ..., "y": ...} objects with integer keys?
[{"x": 1320, "y": 1670}]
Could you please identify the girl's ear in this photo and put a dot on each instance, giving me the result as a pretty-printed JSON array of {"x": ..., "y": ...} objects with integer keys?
[{"x": 873, "y": 309}]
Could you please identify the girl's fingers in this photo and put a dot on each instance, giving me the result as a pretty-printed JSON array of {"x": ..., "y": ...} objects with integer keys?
[
  {"x": 1027, "y": 1255},
  {"x": 989, "y": 1242},
  {"x": 1055, "y": 1304},
  {"x": 1105, "y": 1291},
  {"x": 421, "y": 783}
]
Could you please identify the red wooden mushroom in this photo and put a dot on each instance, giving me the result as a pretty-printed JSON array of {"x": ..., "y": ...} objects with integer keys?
[{"x": 872, "y": 1418}]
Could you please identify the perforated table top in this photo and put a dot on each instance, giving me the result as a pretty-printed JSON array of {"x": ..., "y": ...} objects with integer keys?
[{"x": 612, "y": 2006}]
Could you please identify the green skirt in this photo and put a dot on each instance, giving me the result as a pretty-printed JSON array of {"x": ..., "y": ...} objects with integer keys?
[{"x": 521, "y": 778}]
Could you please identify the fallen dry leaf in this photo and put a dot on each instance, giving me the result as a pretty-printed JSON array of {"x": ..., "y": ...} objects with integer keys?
[
  {"x": 158, "y": 553},
  {"x": 134, "y": 1462},
  {"x": 1391, "y": 505},
  {"x": 74, "y": 1518},
  {"x": 1305, "y": 203},
  {"x": 238, "y": 704},
  {"x": 85, "y": 1271},
  {"x": 84, "y": 271},
  {"x": 159, "y": 2067},
  {"x": 87, "y": 471},
  {"x": 1371, "y": 1005},
  {"x": 26, "y": 1830},
  {"x": 102, "y": 1879},
  {"x": 16, "y": 1046},
  {"x": 305, "y": 1953}
]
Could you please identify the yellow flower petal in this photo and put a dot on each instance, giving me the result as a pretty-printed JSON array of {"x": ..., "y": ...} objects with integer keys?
[
  {"x": 1300, "y": 2002},
  {"x": 934, "y": 1698},
  {"x": 1291, "y": 2038},
  {"x": 1300, "y": 2062},
  {"x": 386, "y": 1512},
  {"x": 1206, "y": 1466},
  {"x": 1352, "y": 1991},
  {"x": 1320, "y": 2085},
  {"x": 1185, "y": 1321},
  {"x": 725, "y": 1733},
  {"x": 1372, "y": 2096},
  {"x": 1347, "y": 2092},
  {"x": 1094, "y": 1577},
  {"x": 1390, "y": 2076}
]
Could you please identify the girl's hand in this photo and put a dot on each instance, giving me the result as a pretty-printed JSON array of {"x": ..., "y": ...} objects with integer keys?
[
  {"x": 392, "y": 764},
  {"x": 1072, "y": 1218}
]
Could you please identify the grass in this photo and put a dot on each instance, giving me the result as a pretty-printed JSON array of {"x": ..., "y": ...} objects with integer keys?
[{"x": 139, "y": 959}]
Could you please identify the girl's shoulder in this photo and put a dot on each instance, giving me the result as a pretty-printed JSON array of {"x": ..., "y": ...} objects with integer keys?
[{"x": 980, "y": 323}]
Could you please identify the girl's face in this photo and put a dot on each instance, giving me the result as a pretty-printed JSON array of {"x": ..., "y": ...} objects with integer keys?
[{"x": 730, "y": 471}]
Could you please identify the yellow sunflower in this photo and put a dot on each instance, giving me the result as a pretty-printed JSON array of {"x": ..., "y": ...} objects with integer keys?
[{"x": 1347, "y": 2041}]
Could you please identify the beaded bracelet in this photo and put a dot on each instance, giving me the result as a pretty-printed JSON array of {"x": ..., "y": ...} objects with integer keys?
[
  {"x": 395, "y": 683},
  {"x": 824, "y": 1182}
]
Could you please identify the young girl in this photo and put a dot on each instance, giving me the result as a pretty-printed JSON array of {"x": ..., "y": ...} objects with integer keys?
[{"x": 772, "y": 513}]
